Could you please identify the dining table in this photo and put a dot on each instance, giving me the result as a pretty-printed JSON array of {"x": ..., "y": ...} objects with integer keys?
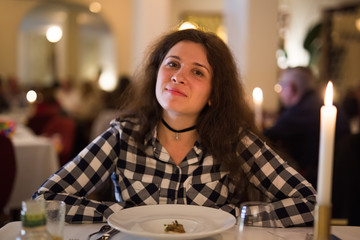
[
  {"x": 36, "y": 159},
  {"x": 82, "y": 231}
]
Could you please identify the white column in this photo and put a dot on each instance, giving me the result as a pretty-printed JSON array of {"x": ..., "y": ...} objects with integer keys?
[
  {"x": 150, "y": 20},
  {"x": 253, "y": 37}
]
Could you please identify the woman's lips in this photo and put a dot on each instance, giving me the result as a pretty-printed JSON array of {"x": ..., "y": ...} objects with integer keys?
[{"x": 175, "y": 92}]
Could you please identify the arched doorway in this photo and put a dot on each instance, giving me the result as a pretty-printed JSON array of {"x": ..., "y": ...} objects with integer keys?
[{"x": 85, "y": 50}]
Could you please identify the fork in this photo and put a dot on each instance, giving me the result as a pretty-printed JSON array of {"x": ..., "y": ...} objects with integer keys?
[
  {"x": 103, "y": 229},
  {"x": 108, "y": 235}
]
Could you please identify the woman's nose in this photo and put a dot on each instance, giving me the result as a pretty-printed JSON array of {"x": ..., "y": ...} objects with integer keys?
[{"x": 177, "y": 79}]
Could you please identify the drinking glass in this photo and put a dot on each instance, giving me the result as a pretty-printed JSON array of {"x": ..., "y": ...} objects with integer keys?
[
  {"x": 253, "y": 220},
  {"x": 55, "y": 213}
]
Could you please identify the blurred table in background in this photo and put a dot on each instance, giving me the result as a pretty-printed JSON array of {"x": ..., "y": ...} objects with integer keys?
[{"x": 36, "y": 160}]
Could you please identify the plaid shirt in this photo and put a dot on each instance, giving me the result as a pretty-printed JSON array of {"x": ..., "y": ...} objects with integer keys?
[{"x": 145, "y": 174}]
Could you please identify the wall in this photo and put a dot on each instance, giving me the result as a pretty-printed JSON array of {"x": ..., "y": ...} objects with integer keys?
[{"x": 11, "y": 14}]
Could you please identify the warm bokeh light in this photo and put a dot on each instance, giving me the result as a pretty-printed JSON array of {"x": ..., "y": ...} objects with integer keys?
[
  {"x": 257, "y": 95},
  {"x": 329, "y": 94},
  {"x": 107, "y": 81},
  {"x": 221, "y": 32},
  {"x": 31, "y": 96},
  {"x": 95, "y": 7},
  {"x": 357, "y": 24},
  {"x": 54, "y": 34},
  {"x": 187, "y": 25},
  {"x": 277, "y": 88}
]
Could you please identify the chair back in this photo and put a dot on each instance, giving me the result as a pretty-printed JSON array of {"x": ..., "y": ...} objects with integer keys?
[
  {"x": 65, "y": 128},
  {"x": 7, "y": 170}
]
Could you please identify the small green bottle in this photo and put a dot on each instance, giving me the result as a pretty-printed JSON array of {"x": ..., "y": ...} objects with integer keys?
[{"x": 33, "y": 218}]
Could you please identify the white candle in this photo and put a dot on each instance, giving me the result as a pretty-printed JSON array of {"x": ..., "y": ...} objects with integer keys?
[
  {"x": 258, "y": 100},
  {"x": 326, "y": 148}
]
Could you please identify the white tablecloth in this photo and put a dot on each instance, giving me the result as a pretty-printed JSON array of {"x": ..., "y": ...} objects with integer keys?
[
  {"x": 81, "y": 231},
  {"x": 36, "y": 160}
]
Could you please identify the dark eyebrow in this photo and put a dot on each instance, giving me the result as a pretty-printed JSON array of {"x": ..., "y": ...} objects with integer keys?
[
  {"x": 200, "y": 65},
  {"x": 172, "y": 57},
  {"x": 197, "y": 64}
]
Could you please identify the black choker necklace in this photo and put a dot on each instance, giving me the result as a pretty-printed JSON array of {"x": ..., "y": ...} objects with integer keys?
[{"x": 177, "y": 131}]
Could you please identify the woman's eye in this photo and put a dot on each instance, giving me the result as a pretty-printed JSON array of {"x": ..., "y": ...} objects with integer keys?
[
  {"x": 199, "y": 73},
  {"x": 172, "y": 64}
]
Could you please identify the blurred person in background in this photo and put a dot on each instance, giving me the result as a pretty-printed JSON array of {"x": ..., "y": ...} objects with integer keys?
[
  {"x": 50, "y": 120},
  {"x": 44, "y": 109},
  {"x": 297, "y": 129},
  {"x": 82, "y": 102},
  {"x": 112, "y": 102}
]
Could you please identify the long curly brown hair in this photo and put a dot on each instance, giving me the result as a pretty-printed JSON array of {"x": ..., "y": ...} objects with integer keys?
[{"x": 220, "y": 125}]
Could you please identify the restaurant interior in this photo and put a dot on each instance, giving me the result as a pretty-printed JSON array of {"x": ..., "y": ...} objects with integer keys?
[{"x": 74, "y": 57}]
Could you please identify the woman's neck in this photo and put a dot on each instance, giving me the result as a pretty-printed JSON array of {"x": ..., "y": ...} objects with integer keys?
[
  {"x": 177, "y": 132},
  {"x": 177, "y": 145}
]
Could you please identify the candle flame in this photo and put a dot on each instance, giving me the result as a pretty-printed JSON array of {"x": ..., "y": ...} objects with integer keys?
[
  {"x": 329, "y": 94},
  {"x": 257, "y": 94}
]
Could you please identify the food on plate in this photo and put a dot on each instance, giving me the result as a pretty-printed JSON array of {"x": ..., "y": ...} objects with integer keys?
[{"x": 174, "y": 227}]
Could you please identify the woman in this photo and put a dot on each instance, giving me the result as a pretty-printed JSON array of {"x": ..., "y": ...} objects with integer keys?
[{"x": 184, "y": 136}]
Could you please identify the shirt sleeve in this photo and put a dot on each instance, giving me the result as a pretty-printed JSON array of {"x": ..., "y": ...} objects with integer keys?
[
  {"x": 73, "y": 182},
  {"x": 292, "y": 196}
]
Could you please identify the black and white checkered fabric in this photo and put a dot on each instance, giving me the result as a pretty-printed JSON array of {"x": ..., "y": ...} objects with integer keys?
[{"x": 145, "y": 174}]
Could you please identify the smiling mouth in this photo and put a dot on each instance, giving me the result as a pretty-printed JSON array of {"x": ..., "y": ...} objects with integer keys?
[{"x": 175, "y": 92}]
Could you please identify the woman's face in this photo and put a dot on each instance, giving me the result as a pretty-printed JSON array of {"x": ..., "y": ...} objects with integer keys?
[{"x": 183, "y": 83}]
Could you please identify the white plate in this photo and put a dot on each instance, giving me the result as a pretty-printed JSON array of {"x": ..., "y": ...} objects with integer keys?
[{"x": 149, "y": 221}]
